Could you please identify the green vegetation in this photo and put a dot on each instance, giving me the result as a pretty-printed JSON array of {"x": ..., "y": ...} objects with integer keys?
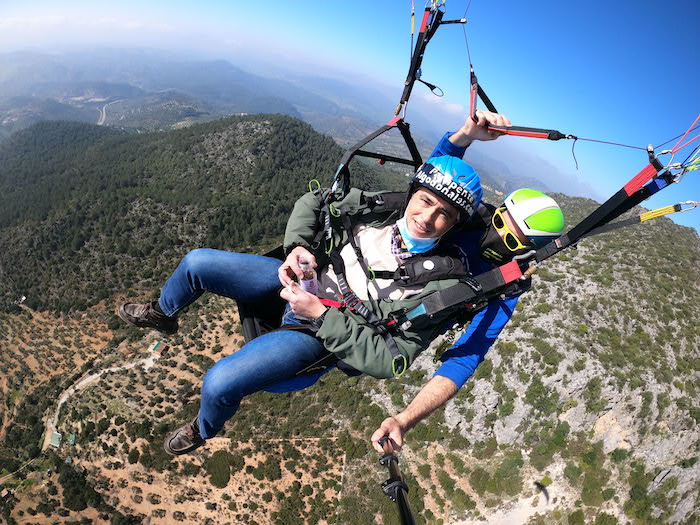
[
  {"x": 573, "y": 343},
  {"x": 119, "y": 213},
  {"x": 218, "y": 468}
]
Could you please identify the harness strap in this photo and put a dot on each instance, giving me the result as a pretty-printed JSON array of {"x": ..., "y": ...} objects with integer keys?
[
  {"x": 399, "y": 363},
  {"x": 631, "y": 194},
  {"x": 428, "y": 27},
  {"x": 648, "y": 181},
  {"x": 342, "y": 175}
]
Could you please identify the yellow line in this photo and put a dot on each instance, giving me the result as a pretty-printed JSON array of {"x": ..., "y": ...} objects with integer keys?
[{"x": 656, "y": 213}]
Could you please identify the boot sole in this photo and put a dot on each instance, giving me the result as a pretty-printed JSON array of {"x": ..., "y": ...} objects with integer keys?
[
  {"x": 130, "y": 319},
  {"x": 187, "y": 450}
]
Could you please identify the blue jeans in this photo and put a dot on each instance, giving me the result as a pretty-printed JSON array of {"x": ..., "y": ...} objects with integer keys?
[{"x": 270, "y": 361}]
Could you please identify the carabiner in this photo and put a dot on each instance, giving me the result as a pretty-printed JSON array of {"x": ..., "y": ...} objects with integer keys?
[
  {"x": 403, "y": 365},
  {"x": 691, "y": 206},
  {"x": 313, "y": 188}
]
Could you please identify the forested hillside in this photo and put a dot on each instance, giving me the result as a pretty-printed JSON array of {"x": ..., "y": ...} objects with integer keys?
[
  {"x": 88, "y": 212},
  {"x": 584, "y": 412}
]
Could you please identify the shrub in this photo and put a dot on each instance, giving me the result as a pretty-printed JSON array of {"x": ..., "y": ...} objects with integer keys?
[
  {"x": 619, "y": 454},
  {"x": 134, "y": 455},
  {"x": 478, "y": 479},
  {"x": 576, "y": 518},
  {"x": 217, "y": 466},
  {"x": 483, "y": 371},
  {"x": 572, "y": 472},
  {"x": 605, "y": 519}
]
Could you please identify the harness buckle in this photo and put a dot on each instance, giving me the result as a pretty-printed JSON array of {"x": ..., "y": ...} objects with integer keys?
[
  {"x": 391, "y": 487},
  {"x": 399, "y": 370}
]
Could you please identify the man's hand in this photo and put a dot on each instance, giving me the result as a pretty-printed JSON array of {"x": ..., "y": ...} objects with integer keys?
[
  {"x": 476, "y": 130},
  {"x": 392, "y": 428},
  {"x": 290, "y": 267},
  {"x": 302, "y": 302},
  {"x": 433, "y": 395}
]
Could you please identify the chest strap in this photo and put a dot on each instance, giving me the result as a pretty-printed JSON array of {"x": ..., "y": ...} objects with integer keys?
[{"x": 349, "y": 300}]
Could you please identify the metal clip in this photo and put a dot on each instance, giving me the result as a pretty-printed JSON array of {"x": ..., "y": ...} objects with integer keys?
[
  {"x": 691, "y": 205},
  {"x": 531, "y": 270},
  {"x": 524, "y": 256}
]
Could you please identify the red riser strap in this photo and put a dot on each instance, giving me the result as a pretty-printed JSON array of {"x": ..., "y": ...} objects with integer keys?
[
  {"x": 517, "y": 133},
  {"x": 472, "y": 100},
  {"x": 393, "y": 122},
  {"x": 640, "y": 179},
  {"x": 424, "y": 22},
  {"x": 511, "y": 271}
]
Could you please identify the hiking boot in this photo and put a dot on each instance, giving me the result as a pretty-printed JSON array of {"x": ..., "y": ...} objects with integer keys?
[
  {"x": 145, "y": 315},
  {"x": 185, "y": 439}
]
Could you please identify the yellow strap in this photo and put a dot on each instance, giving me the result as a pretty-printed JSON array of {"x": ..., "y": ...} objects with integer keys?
[
  {"x": 330, "y": 244},
  {"x": 656, "y": 213}
]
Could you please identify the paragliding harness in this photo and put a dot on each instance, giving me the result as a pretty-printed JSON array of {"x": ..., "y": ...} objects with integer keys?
[
  {"x": 417, "y": 270},
  {"x": 471, "y": 292}
]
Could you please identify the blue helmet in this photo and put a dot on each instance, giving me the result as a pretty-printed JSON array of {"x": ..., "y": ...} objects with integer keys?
[{"x": 452, "y": 179}]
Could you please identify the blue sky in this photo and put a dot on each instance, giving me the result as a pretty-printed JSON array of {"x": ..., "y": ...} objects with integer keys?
[{"x": 623, "y": 71}]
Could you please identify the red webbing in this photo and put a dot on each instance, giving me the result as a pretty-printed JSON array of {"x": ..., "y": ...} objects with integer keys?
[
  {"x": 393, "y": 122},
  {"x": 424, "y": 22},
  {"x": 678, "y": 148},
  {"x": 511, "y": 271},
  {"x": 472, "y": 101},
  {"x": 640, "y": 179},
  {"x": 331, "y": 302},
  {"x": 518, "y": 133}
]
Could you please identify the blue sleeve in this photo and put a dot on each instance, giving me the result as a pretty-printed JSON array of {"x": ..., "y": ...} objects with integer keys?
[
  {"x": 460, "y": 361},
  {"x": 445, "y": 147}
]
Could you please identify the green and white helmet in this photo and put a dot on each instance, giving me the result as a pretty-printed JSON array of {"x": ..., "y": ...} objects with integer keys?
[{"x": 537, "y": 215}]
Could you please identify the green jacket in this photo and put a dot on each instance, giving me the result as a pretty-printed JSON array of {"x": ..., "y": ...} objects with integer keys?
[{"x": 345, "y": 333}]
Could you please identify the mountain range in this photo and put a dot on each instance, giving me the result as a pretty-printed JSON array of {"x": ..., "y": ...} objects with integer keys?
[{"x": 146, "y": 90}]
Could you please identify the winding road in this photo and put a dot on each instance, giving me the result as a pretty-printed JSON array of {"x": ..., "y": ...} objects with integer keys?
[
  {"x": 103, "y": 113},
  {"x": 86, "y": 381}
]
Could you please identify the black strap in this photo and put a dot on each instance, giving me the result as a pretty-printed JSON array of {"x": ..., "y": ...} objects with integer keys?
[
  {"x": 347, "y": 226},
  {"x": 493, "y": 282},
  {"x": 432, "y": 18},
  {"x": 428, "y": 27},
  {"x": 351, "y": 301},
  {"x": 384, "y": 202},
  {"x": 634, "y": 192}
]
